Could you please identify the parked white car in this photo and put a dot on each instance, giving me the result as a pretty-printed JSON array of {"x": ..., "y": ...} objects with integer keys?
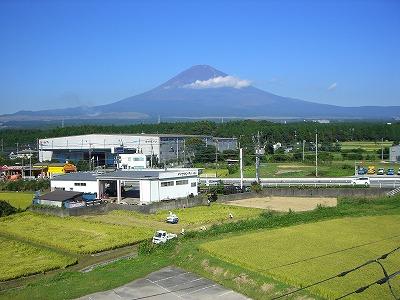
[
  {"x": 361, "y": 181},
  {"x": 161, "y": 237}
]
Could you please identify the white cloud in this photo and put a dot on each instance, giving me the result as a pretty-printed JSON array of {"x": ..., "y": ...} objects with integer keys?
[
  {"x": 332, "y": 86},
  {"x": 218, "y": 82}
]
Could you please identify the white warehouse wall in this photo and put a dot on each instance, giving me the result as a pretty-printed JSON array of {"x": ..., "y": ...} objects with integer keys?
[
  {"x": 153, "y": 191},
  {"x": 91, "y": 186}
]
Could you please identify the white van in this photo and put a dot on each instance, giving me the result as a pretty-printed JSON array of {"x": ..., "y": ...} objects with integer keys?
[{"x": 361, "y": 181}]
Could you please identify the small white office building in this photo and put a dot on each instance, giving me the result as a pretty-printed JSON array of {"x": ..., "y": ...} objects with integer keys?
[
  {"x": 394, "y": 153},
  {"x": 132, "y": 161},
  {"x": 85, "y": 182},
  {"x": 149, "y": 185},
  {"x": 140, "y": 186}
]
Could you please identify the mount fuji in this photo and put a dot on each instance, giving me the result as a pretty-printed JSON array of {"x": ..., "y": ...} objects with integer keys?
[{"x": 205, "y": 92}]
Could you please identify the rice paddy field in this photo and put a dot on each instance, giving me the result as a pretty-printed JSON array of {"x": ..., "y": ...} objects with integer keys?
[
  {"x": 71, "y": 234},
  {"x": 305, "y": 254},
  {"x": 17, "y": 199},
  {"x": 197, "y": 216},
  {"x": 21, "y": 259},
  {"x": 366, "y": 145}
]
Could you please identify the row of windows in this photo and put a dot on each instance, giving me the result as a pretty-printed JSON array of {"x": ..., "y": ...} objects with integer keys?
[
  {"x": 79, "y": 184},
  {"x": 135, "y": 158},
  {"x": 182, "y": 182},
  {"x": 178, "y": 182}
]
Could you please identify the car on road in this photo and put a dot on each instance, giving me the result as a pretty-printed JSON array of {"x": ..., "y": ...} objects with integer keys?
[
  {"x": 362, "y": 171},
  {"x": 381, "y": 171},
  {"x": 361, "y": 181},
  {"x": 371, "y": 170},
  {"x": 390, "y": 171}
]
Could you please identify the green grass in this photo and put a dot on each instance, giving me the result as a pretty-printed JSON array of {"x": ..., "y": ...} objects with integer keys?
[
  {"x": 71, "y": 234},
  {"x": 20, "y": 259},
  {"x": 269, "y": 251},
  {"x": 17, "y": 199}
]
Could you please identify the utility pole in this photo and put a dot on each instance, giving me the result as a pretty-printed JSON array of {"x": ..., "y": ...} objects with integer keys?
[
  {"x": 304, "y": 142},
  {"x": 177, "y": 150},
  {"x": 30, "y": 163},
  {"x": 2, "y": 146},
  {"x": 258, "y": 158},
  {"x": 382, "y": 150},
  {"x": 184, "y": 152},
  {"x": 316, "y": 154},
  {"x": 17, "y": 148},
  {"x": 241, "y": 167},
  {"x": 216, "y": 158}
]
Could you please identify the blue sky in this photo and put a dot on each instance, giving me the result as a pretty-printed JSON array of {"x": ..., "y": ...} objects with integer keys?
[{"x": 66, "y": 53}]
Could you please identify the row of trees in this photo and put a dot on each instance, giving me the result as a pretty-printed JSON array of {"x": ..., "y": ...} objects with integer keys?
[{"x": 243, "y": 130}]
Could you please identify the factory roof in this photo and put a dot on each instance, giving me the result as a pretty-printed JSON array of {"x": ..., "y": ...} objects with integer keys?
[
  {"x": 140, "y": 134},
  {"x": 131, "y": 174},
  {"x": 61, "y": 196},
  {"x": 77, "y": 176}
]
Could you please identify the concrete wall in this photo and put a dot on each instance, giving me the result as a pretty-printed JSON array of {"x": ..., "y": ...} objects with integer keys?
[
  {"x": 104, "y": 208},
  {"x": 51, "y": 203},
  {"x": 202, "y": 200},
  {"x": 91, "y": 186}
]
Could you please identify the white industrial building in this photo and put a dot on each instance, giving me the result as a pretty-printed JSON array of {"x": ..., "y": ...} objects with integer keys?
[
  {"x": 134, "y": 186},
  {"x": 102, "y": 149},
  {"x": 85, "y": 182}
]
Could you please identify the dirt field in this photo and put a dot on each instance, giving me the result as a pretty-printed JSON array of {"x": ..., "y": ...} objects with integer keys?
[{"x": 285, "y": 203}]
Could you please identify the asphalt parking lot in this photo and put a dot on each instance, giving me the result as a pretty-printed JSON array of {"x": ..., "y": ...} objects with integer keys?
[{"x": 169, "y": 283}]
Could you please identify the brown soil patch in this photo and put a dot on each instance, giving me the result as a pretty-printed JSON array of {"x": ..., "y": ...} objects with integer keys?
[{"x": 285, "y": 203}]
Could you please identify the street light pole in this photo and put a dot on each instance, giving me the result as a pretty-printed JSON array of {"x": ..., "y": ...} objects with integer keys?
[{"x": 316, "y": 154}]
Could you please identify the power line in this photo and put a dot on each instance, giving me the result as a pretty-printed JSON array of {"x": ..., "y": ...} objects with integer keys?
[
  {"x": 342, "y": 274},
  {"x": 381, "y": 281}
]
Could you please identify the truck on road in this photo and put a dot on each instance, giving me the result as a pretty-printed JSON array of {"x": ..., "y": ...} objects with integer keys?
[{"x": 161, "y": 237}]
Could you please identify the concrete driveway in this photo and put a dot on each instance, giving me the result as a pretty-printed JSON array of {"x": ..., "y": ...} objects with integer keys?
[{"x": 169, "y": 283}]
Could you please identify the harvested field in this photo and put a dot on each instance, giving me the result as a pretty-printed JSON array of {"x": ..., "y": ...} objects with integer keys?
[{"x": 285, "y": 203}]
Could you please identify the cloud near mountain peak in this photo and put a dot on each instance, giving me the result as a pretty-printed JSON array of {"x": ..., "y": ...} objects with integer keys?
[{"x": 219, "y": 82}]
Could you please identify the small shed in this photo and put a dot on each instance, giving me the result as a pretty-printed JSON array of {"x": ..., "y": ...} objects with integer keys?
[{"x": 61, "y": 198}]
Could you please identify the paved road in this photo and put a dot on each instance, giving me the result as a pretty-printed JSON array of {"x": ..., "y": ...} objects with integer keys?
[
  {"x": 168, "y": 284},
  {"x": 376, "y": 181}
]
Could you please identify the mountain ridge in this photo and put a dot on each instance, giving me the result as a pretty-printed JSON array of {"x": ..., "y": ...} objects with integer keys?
[{"x": 203, "y": 91}]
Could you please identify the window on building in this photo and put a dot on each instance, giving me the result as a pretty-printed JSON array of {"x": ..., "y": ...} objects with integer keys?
[
  {"x": 167, "y": 183},
  {"x": 80, "y": 184},
  {"x": 182, "y": 182},
  {"x": 193, "y": 184}
]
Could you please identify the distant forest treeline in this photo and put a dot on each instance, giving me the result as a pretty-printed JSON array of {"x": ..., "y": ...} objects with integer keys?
[{"x": 243, "y": 130}]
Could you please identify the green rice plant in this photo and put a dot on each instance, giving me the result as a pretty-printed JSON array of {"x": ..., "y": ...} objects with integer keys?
[
  {"x": 73, "y": 233},
  {"x": 304, "y": 254},
  {"x": 20, "y": 259},
  {"x": 17, "y": 199}
]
